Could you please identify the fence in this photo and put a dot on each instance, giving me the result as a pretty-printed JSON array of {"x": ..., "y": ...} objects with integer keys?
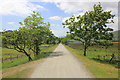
[
  {"x": 108, "y": 58},
  {"x": 11, "y": 58}
]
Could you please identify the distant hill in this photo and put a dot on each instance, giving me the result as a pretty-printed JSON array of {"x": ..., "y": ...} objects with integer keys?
[{"x": 116, "y": 35}]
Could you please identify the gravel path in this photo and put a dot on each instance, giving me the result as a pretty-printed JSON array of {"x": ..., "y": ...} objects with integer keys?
[{"x": 60, "y": 64}]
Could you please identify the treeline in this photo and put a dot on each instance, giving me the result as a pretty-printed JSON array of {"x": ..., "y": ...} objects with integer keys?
[{"x": 32, "y": 33}]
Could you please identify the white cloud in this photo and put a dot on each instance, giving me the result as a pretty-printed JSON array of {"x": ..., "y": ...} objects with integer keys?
[
  {"x": 15, "y": 7},
  {"x": 73, "y": 6},
  {"x": 56, "y": 32},
  {"x": 81, "y": 13},
  {"x": 55, "y": 18},
  {"x": 55, "y": 25},
  {"x": 78, "y": 1},
  {"x": 65, "y": 18},
  {"x": 11, "y": 23},
  {"x": 59, "y": 32},
  {"x": 58, "y": 18},
  {"x": 79, "y": 7}
]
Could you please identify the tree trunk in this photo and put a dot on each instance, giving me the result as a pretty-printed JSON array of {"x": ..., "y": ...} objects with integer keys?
[
  {"x": 85, "y": 49},
  {"x": 112, "y": 57},
  {"x": 37, "y": 50},
  {"x": 22, "y": 50},
  {"x": 29, "y": 57},
  {"x": 36, "y": 47}
]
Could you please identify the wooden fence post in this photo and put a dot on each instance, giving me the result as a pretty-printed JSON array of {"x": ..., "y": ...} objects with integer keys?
[
  {"x": 2, "y": 60},
  {"x": 17, "y": 56}
]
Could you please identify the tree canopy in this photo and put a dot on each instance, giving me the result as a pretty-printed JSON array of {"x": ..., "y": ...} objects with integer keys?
[
  {"x": 32, "y": 33},
  {"x": 91, "y": 27}
]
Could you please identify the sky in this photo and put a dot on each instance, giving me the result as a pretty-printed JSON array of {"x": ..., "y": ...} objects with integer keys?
[{"x": 54, "y": 11}]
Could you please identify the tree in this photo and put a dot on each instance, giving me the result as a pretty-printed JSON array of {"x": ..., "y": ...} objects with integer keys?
[
  {"x": 91, "y": 27},
  {"x": 17, "y": 39},
  {"x": 6, "y": 38},
  {"x": 50, "y": 38},
  {"x": 66, "y": 39},
  {"x": 28, "y": 37},
  {"x": 38, "y": 31}
]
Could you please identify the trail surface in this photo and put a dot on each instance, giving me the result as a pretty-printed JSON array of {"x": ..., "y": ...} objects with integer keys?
[{"x": 60, "y": 64}]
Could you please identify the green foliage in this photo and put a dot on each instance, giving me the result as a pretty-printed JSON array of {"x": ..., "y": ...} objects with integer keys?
[
  {"x": 38, "y": 31},
  {"x": 91, "y": 27},
  {"x": 66, "y": 39},
  {"x": 106, "y": 43},
  {"x": 31, "y": 35}
]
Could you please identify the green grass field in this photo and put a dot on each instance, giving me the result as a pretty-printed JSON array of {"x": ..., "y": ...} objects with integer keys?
[
  {"x": 97, "y": 68},
  {"x": 45, "y": 51},
  {"x": 9, "y": 53},
  {"x": 94, "y": 51}
]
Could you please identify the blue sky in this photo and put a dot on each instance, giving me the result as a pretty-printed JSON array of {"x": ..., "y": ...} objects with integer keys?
[
  {"x": 11, "y": 21},
  {"x": 53, "y": 11}
]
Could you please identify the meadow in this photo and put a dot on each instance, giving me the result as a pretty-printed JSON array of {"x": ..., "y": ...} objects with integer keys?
[
  {"x": 100, "y": 68},
  {"x": 99, "y": 53},
  {"x": 13, "y": 58}
]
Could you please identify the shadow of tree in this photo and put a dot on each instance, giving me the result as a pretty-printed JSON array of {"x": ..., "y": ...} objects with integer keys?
[
  {"x": 115, "y": 63},
  {"x": 56, "y": 54}
]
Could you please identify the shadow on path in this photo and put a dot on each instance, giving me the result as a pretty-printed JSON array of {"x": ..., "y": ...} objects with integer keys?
[{"x": 56, "y": 54}]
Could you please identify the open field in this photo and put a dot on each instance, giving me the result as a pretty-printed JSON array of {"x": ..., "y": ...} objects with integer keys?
[
  {"x": 98, "y": 53},
  {"x": 10, "y": 54},
  {"x": 98, "y": 69}
]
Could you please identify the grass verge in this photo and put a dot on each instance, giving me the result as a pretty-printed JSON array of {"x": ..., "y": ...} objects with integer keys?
[
  {"x": 19, "y": 72},
  {"x": 99, "y": 70},
  {"x": 22, "y": 74},
  {"x": 44, "y": 53}
]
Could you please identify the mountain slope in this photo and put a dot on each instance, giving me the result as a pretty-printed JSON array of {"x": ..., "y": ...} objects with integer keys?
[{"x": 116, "y": 35}]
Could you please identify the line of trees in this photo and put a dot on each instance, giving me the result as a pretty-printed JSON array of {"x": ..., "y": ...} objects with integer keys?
[
  {"x": 32, "y": 33},
  {"x": 91, "y": 27}
]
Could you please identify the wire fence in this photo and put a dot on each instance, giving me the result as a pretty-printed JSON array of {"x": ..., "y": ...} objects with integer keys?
[
  {"x": 108, "y": 58},
  {"x": 10, "y": 58}
]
